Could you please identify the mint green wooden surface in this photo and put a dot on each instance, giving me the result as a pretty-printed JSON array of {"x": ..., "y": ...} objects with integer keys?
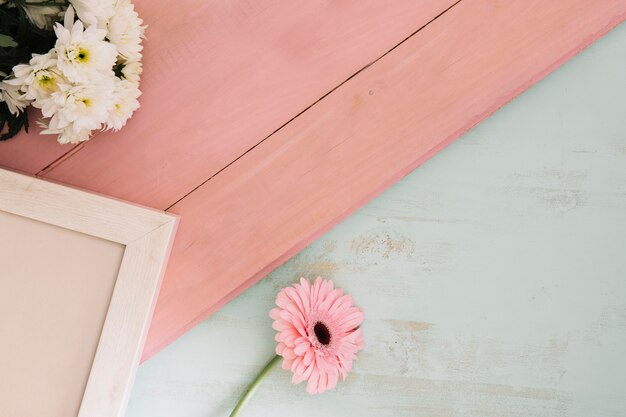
[{"x": 493, "y": 277}]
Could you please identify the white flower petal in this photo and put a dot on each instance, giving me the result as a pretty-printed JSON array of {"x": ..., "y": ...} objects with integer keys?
[
  {"x": 94, "y": 12},
  {"x": 126, "y": 30},
  {"x": 83, "y": 55},
  {"x": 14, "y": 98},
  {"x": 125, "y": 101}
]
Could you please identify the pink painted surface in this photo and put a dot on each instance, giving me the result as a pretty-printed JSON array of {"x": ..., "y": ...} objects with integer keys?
[
  {"x": 220, "y": 76},
  {"x": 30, "y": 152},
  {"x": 359, "y": 140}
]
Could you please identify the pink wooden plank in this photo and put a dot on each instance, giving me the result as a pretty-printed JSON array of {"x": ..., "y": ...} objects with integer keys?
[
  {"x": 360, "y": 139},
  {"x": 222, "y": 75},
  {"x": 30, "y": 152}
]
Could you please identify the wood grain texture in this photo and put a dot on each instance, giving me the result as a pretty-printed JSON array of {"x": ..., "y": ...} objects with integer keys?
[
  {"x": 360, "y": 139},
  {"x": 492, "y": 278},
  {"x": 126, "y": 326},
  {"x": 146, "y": 236},
  {"x": 221, "y": 76},
  {"x": 77, "y": 210},
  {"x": 30, "y": 152}
]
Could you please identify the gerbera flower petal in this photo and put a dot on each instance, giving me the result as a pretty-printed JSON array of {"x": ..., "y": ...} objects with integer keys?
[
  {"x": 341, "y": 304},
  {"x": 281, "y": 325},
  {"x": 352, "y": 320},
  {"x": 275, "y": 313},
  {"x": 312, "y": 387},
  {"x": 308, "y": 357},
  {"x": 333, "y": 378},
  {"x": 318, "y": 332},
  {"x": 299, "y": 302},
  {"x": 301, "y": 348}
]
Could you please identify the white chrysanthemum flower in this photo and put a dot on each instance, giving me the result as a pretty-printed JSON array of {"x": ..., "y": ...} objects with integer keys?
[
  {"x": 39, "y": 78},
  {"x": 125, "y": 97},
  {"x": 126, "y": 30},
  {"x": 14, "y": 98},
  {"x": 70, "y": 134},
  {"x": 82, "y": 54},
  {"x": 94, "y": 12},
  {"x": 76, "y": 110},
  {"x": 132, "y": 70},
  {"x": 80, "y": 107},
  {"x": 44, "y": 15}
]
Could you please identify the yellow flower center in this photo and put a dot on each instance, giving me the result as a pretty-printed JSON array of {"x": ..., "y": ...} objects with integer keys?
[
  {"x": 46, "y": 81},
  {"x": 82, "y": 56},
  {"x": 86, "y": 101}
]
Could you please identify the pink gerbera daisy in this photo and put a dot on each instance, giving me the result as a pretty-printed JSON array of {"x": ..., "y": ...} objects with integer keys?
[{"x": 318, "y": 333}]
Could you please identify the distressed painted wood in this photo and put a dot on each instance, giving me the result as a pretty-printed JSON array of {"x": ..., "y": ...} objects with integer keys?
[
  {"x": 221, "y": 76},
  {"x": 66, "y": 207},
  {"x": 492, "y": 277},
  {"x": 360, "y": 139}
]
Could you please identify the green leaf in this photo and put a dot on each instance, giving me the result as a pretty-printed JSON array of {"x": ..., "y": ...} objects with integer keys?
[
  {"x": 7, "y": 42},
  {"x": 10, "y": 125}
]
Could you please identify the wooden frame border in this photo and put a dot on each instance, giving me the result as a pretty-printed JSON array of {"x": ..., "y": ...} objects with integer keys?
[{"x": 147, "y": 235}]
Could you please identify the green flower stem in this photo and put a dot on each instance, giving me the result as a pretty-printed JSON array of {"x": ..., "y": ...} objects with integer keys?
[{"x": 254, "y": 385}]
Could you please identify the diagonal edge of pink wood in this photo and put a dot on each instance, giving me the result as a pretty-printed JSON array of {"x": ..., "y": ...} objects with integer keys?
[
  {"x": 359, "y": 140},
  {"x": 221, "y": 76}
]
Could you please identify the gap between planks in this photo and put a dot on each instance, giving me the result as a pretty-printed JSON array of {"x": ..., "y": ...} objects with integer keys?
[
  {"x": 60, "y": 159},
  {"x": 313, "y": 104},
  {"x": 251, "y": 87},
  {"x": 238, "y": 213},
  {"x": 78, "y": 147}
]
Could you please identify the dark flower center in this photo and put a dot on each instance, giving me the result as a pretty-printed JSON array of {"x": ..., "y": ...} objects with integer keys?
[
  {"x": 83, "y": 55},
  {"x": 322, "y": 333}
]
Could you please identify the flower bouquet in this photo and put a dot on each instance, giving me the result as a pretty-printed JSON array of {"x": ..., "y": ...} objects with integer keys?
[{"x": 78, "y": 61}]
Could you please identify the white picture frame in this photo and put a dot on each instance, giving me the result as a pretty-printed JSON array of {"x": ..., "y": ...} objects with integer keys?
[{"x": 147, "y": 236}]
